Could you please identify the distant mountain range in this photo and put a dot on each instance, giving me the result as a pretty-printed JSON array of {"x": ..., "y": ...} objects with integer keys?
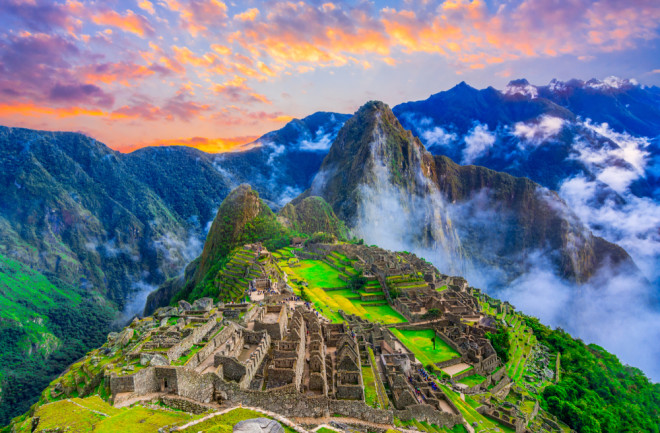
[{"x": 116, "y": 226}]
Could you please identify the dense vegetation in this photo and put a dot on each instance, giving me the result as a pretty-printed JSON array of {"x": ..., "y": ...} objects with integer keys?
[
  {"x": 44, "y": 327},
  {"x": 596, "y": 393},
  {"x": 500, "y": 342}
]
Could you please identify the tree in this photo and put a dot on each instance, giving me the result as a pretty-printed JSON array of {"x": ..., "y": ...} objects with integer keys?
[
  {"x": 500, "y": 342},
  {"x": 357, "y": 282}
]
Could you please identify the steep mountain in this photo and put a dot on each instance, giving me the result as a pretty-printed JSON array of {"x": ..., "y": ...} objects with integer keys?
[
  {"x": 312, "y": 215},
  {"x": 381, "y": 180},
  {"x": 283, "y": 162},
  {"x": 244, "y": 218},
  {"x": 185, "y": 179},
  {"x": 71, "y": 207},
  {"x": 241, "y": 218}
]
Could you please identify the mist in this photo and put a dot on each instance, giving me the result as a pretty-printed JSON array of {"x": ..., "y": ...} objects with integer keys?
[{"x": 617, "y": 309}]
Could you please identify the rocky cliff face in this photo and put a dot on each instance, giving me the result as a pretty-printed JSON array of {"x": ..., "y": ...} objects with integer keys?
[
  {"x": 311, "y": 215},
  {"x": 381, "y": 180},
  {"x": 242, "y": 218}
]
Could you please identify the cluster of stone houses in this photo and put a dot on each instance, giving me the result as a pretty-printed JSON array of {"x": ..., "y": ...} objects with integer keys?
[{"x": 289, "y": 361}]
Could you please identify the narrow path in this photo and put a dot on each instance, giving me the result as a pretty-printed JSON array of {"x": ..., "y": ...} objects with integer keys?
[
  {"x": 346, "y": 420},
  {"x": 86, "y": 408}
]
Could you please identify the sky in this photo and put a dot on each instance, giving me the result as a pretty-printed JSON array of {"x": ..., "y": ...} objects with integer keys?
[{"x": 216, "y": 75}]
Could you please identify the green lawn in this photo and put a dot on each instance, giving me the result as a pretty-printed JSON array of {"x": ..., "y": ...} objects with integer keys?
[
  {"x": 94, "y": 415},
  {"x": 473, "y": 380},
  {"x": 370, "y": 395},
  {"x": 470, "y": 413},
  {"x": 419, "y": 342},
  {"x": 318, "y": 274}
]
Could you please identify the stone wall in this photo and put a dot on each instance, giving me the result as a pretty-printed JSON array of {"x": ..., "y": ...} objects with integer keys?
[
  {"x": 424, "y": 412},
  {"x": 210, "y": 347},
  {"x": 145, "y": 381},
  {"x": 184, "y": 405},
  {"x": 177, "y": 350},
  {"x": 195, "y": 386},
  {"x": 121, "y": 384},
  {"x": 504, "y": 382}
]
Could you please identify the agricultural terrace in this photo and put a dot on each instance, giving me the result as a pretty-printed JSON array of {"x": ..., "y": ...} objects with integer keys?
[
  {"x": 522, "y": 341},
  {"x": 419, "y": 342},
  {"x": 92, "y": 414},
  {"x": 320, "y": 277},
  {"x": 473, "y": 380},
  {"x": 469, "y": 412}
]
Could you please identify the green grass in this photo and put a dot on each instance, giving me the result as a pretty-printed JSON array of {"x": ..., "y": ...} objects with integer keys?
[
  {"x": 318, "y": 274},
  {"x": 139, "y": 419},
  {"x": 473, "y": 380},
  {"x": 521, "y": 346},
  {"x": 94, "y": 415},
  {"x": 326, "y": 430},
  {"x": 370, "y": 394},
  {"x": 225, "y": 423},
  {"x": 419, "y": 342},
  {"x": 470, "y": 413}
]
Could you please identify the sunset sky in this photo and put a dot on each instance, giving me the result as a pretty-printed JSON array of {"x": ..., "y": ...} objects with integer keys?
[{"x": 214, "y": 74}]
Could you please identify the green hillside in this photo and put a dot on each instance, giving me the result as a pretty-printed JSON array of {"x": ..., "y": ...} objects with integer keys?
[{"x": 43, "y": 328}]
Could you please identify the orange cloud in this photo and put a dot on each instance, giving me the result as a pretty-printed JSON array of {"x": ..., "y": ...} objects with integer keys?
[
  {"x": 198, "y": 15},
  {"x": 209, "y": 145},
  {"x": 121, "y": 72},
  {"x": 129, "y": 22},
  {"x": 147, "y": 6},
  {"x": 248, "y": 15},
  {"x": 33, "y": 110},
  {"x": 235, "y": 90}
]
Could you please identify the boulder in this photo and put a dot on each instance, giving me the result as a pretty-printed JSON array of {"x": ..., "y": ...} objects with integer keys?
[
  {"x": 159, "y": 360},
  {"x": 203, "y": 304},
  {"x": 165, "y": 312},
  {"x": 184, "y": 305},
  {"x": 124, "y": 337},
  {"x": 258, "y": 425},
  {"x": 145, "y": 358}
]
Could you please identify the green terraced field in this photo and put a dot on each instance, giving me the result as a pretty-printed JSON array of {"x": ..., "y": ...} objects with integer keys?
[
  {"x": 473, "y": 380},
  {"x": 318, "y": 274},
  {"x": 95, "y": 415},
  {"x": 419, "y": 342}
]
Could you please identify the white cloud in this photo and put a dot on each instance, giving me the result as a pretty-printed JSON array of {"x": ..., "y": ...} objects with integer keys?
[
  {"x": 634, "y": 224},
  {"x": 321, "y": 144},
  {"x": 538, "y": 131},
  {"x": 523, "y": 89},
  {"x": 438, "y": 137},
  {"x": 618, "y": 164},
  {"x": 477, "y": 142}
]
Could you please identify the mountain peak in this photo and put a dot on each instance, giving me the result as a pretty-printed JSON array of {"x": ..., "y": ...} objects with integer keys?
[
  {"x": 240, "y": 209},
  {"x": 371, "y": 148},
  {"x": 521, "y": 87}
]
